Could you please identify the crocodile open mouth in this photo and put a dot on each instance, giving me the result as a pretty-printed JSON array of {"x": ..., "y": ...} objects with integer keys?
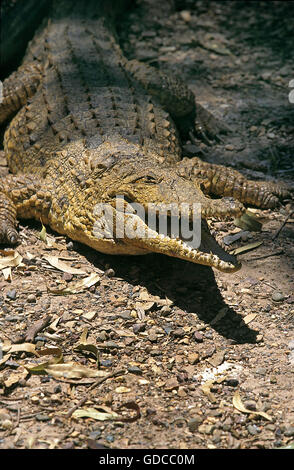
[{"x": 206, "y": 250}]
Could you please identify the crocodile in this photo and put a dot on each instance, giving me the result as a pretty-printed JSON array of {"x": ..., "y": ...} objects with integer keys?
[{"x": 87, "y": 126}]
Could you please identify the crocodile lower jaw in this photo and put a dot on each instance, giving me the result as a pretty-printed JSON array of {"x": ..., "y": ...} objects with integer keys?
[{"x": 209, "y": 253}]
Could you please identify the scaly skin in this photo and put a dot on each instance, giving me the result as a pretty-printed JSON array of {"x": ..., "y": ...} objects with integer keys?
[{"x": 92, "y": 126}]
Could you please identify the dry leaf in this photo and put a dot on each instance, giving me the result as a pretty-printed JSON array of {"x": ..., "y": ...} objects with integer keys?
[
  {"x": 23, "y": 347},
  {"x": 73, "y": 370},
  {"x": 7, "y": 273},
  {"x": 239, "y": 405},
  {"x": 41, "y": 368},
  {"x": 77, "y": 287},
  {"x": 12, "y": 258},
  {"x": 14, "y": 378},
  {"x": 245, "y": 248},
  {"x": 248, "y": 318},
  {"x": 88, "y": 347},
  {"x": 104, "y": 415},
  {"x": 62, "y": 266},
  {"x": 206, "y": 390},
  {"x": 248, "y": 222},
  {"x": 122, "y": 389}
]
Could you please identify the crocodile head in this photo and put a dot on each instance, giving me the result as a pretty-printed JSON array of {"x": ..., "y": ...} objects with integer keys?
[{"x": 145, "y": 209}]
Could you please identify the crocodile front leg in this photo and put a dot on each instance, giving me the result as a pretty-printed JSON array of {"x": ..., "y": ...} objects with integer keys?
[
  {"x": 18, "y": 87},
  {"x": 21, "y": 196},
  {"x": 219, "y": 180}
]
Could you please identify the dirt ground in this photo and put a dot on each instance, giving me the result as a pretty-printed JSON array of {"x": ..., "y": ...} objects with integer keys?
[{"x": 189, "y": 358}]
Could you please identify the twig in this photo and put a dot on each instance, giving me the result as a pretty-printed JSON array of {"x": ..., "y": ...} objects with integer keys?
[
  {"x": 276, "y": 234},
  {"x": 275, "y": 253},
  {"x": 36, "y": 328}
]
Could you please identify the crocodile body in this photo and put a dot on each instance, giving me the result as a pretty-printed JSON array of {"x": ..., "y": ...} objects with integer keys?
[{"x": 91, "y": 126}]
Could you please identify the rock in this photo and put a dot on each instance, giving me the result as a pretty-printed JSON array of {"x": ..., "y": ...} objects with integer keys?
[
  {"x": 42, "y": 417},
  {"x": 197, "y": 336},
  {"x": 95, "y": 434},
  {"x": 109, "y": 272},
  {"x": 101, "y": 336},
  {"x": 289, "y": 431},
  {"x": 250, "y": 404},
  {"x": 232, "y": 381},
  {"x": 138, "y": 327},
  {"x": 152, "y": 337},
  {"x": 278, "y": 296},
  {"x": 253, "y": 429},
  {"x": 171, "y": 384},
  {"x": 185, "y": 15},
  {"x": 229, "y": 147},
  {"x": 106, "y": 362},
  {"x": 178, "y": 333},
  {"x": 135, "y": 370},
  {"x": 90, "y": 315},
  {"x": 11, "y": 294},
  {"x": 193, "y": 358},
  {"x": 193, "y": 423},
  {"x": 206, "y": 428},
  {"x": 31, "y": 298}
]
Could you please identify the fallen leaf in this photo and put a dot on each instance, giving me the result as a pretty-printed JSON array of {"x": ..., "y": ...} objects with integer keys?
[
  {"x": 7, "y": 273},
  {"x": 131, "y": 405},
  {"x": 237, "y": 402},
  {"x": 83, "y": 345},
  {"x": 122, "y": 389},
  {"x": 23, "y": 347},
  {"x": 73, "y": 370},
  {"x": 206, "y": 390},
  {"x": 15, "y": 376},
  {"x": 245, "y": 248},
  {"x": 13, "y": 258},
  {"x": 248, "y": 318},
  {"x": 42, "y": 368},
  {"x": 104, "y": 415},
  {"x": 62, "y": 266},
  {"x": 43, "y": 234},
  {"x": 248, "y": 222},
  {"x": 77, "y": 287}
]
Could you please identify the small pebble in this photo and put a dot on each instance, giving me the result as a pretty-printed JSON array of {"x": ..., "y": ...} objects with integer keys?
[
  {"x": 198, "y": 337},
  {"x": 11, "y": 294},
  {"x": 95, "y": 434},
  {"x": 138, "y": 327},
  {"x": 193, "y": 358},
  {"x": 253, "y": 429},
  {"x": 135, "y": 370},
  {"x": 109, "y": 272},
  {"x": 42, "y": 417},
  {"x": 31, "y": 298},
  {"x": 185, "y": 15},
  {"x": 106, "y": 362},
  {"x": 178, "y": 333},
  {"x": 289, "y": 432},
  {"x": 101, "y": 336},
  {"x": 193, "y": 423},
  {"x": 232, "y": 381},
  {"x": 250, "y": 404},
  {"x": 229, "y": 147},
  {"x": 278, "y": 296},
  {"x": 152, "y": 337}
]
